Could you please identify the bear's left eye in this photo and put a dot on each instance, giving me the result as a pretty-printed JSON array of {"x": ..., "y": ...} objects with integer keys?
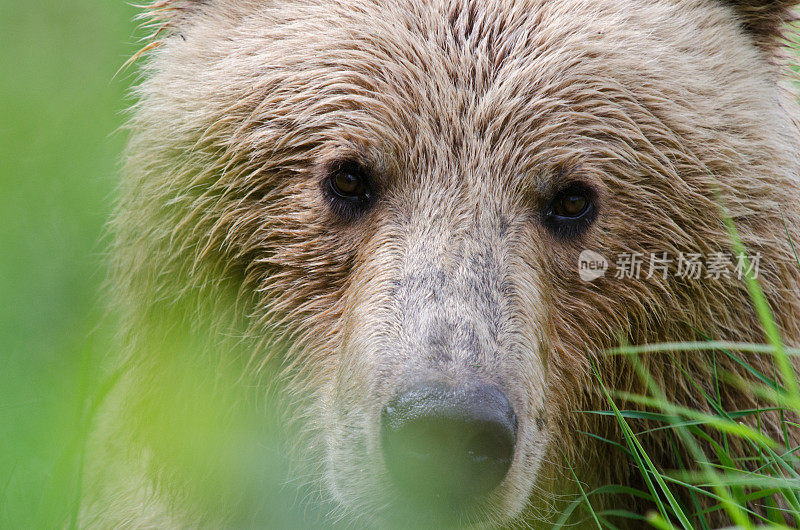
[
  {"x": 571, "y": 205},
  {"x": 348, "y": 189},
  {"x": 571, "y": 211}
]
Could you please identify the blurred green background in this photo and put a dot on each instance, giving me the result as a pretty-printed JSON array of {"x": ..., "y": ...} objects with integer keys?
[{"x": 61, "y": 107}]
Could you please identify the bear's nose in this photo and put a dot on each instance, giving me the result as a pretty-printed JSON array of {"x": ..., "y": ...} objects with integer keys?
[{"x": 448, "y": 444}]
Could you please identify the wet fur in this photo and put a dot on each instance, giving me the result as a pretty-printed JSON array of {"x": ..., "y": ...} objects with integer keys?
[{"x": 468, "y": 114}]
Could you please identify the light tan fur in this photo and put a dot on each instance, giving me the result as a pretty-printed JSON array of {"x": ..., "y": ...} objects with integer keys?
[{"x": 469, "y": 113}]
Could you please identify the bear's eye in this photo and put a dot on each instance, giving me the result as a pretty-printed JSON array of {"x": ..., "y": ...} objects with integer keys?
[
  {"x": 348, "y": 188},
  {"x": 349, "y": 185},
  {"x": 571, "y": 205},
  {"x": 571, "y": 211}
]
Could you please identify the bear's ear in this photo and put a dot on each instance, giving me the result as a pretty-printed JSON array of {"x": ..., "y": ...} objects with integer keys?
[
  {"x": 766, "y": 20},
  {"x": 162, "y": 18},
  {"x": 165, "y": 15}
]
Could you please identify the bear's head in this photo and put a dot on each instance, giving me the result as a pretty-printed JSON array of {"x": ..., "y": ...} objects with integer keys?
[{"x": 419, "y": 199}]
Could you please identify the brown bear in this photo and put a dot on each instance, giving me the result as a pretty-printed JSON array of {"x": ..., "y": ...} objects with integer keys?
[{"x": 373, "y": 213}]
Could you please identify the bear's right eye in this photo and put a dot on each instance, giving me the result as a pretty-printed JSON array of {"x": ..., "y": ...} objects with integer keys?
[
  {"x": 349, "y": 185},
  {"x": 348, "y": 189}
]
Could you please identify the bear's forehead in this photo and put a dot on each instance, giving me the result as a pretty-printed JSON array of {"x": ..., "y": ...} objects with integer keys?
[
  {"x": 475, "y": 77},
  {"x": 475, "y": 45},
  {"x": 459, "y": 59},
  {"x": 458, "y": 46}
]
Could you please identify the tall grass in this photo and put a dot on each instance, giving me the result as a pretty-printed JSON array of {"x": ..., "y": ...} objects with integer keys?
[{"x": 759, "y": 490}]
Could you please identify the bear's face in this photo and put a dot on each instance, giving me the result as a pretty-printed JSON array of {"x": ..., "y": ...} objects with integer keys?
[{"x": 405, "y": 189}]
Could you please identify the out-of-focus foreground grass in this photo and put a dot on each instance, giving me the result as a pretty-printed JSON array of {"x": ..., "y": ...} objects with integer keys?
[{"x": 60, "y": 108}]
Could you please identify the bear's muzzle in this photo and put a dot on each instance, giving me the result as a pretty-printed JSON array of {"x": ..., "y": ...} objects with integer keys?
[{"x": 445, "y": 446}]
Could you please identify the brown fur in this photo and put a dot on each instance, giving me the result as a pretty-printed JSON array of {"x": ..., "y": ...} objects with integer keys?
[{"x": 469, "y": 114}]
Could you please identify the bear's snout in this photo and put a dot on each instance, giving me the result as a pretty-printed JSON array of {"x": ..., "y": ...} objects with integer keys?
[{"x": 448, "y": 445}]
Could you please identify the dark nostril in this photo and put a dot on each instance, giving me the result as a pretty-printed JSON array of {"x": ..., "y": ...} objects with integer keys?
[{"x": 448, "y": 443}]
